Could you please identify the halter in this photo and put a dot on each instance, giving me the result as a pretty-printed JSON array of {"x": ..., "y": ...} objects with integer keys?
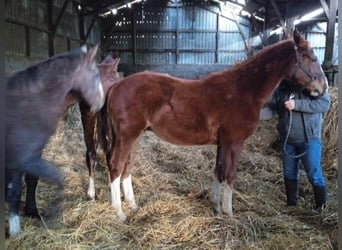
[{"x": 299, "y": 66}]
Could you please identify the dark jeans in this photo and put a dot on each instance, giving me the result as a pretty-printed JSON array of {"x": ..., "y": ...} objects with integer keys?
[{"x": 311, "y": 161}]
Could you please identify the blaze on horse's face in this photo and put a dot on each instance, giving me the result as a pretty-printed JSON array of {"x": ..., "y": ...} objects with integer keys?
[
  {"x": 307, "y": 70},
  {"x": 87, "y": 80}
]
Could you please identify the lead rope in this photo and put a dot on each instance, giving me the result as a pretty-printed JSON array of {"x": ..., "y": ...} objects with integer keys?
[{"x": 288, "y": 134}]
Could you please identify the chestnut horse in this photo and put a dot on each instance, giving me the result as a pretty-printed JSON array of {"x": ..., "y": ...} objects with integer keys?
[
  {"x": 108, "y": 75},
  {"x": 34, "y": 102},
  {"x": 221, "y": 109}
]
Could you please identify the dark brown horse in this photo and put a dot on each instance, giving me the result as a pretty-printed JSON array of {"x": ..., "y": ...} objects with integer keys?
[
  {"x": 93, "y": 127},
  {"x": 221, "y": 109},
  {"x": 34, "y": 103},
  {"x": 108, "y": 75}
]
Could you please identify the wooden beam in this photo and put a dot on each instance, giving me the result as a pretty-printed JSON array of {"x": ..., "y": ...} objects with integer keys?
[
  {"x": 275, "y": 7},
  {"x": 90, "y": 27},
  {"x": 330, "y": 36},
  {"x": 241, "y": 33},
  {"x": 325, "y": 7},
  {"x": 329, "y": 42},
  {"x": 59, "y": 18}
]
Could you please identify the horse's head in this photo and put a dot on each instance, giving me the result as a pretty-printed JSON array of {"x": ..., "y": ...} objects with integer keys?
[
  {"x": 108, "y": 72},
  {"x": 87, "y": 79},
  {"x": 307, "y": 71}
]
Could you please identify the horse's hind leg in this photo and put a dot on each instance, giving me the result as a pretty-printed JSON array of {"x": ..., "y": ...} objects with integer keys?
[
  {"x": 117, "y": 165},
  {"x": 31, "y": 207},
  {"x": 91, "y": 163},
  {"x": 127, "y": 180},
  {"x": 13, "y": 197}
]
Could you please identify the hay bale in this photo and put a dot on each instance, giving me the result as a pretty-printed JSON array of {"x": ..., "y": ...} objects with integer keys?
[
  {"x": 330, "y": 135},
  {"x": 171, "y": 184}
]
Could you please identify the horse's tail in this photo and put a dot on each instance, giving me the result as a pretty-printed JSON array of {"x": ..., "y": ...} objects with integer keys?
[
  {"x": 105, "y": 134},
  {"x": 40, "y": 168}
]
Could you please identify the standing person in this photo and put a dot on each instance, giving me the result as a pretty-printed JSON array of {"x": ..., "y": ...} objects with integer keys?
[{"x": 300, "y": 127}]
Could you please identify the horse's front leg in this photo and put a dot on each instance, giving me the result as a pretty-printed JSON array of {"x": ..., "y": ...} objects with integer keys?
[
  {"x": 31, "y": 207},
  {"x": 88, "y": 121},
  {"x": 215, "y": 196},
  {"x": 226, "y": 167},
  {"x": 227, "y": 199},
  {"x": 91, "y": 163},
  {"x": 13, "y": 197}
]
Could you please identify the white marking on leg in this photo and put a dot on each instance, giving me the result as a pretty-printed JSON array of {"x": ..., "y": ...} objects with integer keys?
[
  {"x": 227, "y": 200},
  {"x": 215, "y": 196},
  {"x": 91, "y": 188},
  {"x": 14, "y": 224},
  {"x": 84, "y": 48},
  {"x": 101, "y": 90},
  {"x": 129, "y": 194},
  {"x": 116, "y": 199}
]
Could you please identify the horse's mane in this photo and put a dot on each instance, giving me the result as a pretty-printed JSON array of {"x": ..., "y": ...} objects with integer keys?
[
  {"x": 258, "y": 59},
  {"x": 270, "y": 51},
  {"x": 29, "y": 79}
]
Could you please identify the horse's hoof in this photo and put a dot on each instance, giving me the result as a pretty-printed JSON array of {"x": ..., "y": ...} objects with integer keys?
[
  {"x": 32, "y": 213},
  {"x": 228, "y": 213},
  {"x": 135, "y": 208},
  {"x": 217, "y": 209},
  {"x": 122, "y": 217}
]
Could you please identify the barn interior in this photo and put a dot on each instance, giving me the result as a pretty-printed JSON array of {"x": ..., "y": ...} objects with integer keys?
[{"x": 188, "y": 39}]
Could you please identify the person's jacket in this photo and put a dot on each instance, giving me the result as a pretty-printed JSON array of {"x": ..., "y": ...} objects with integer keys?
[{"x": 306, "y": 116}]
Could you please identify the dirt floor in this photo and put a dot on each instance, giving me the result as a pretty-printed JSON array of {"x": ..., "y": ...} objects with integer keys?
[{"x": 171, "y": 185}]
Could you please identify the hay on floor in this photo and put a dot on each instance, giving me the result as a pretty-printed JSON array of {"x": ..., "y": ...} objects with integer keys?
[{"x": 172, "y": 185}]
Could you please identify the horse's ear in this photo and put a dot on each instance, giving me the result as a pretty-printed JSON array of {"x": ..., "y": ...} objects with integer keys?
[
  {"x": 298, "y": 38},
  {"x": 108, "y": 59},
  {"x": 116, "y": 63},
  {"x": 92, "y": 54}
]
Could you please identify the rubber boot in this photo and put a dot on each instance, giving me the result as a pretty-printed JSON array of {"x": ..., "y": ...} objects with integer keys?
[
  {"x": 291, "y": 188},
  {"x": 320, "y": 193}
]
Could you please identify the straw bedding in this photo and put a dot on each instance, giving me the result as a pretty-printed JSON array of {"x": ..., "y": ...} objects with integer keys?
[{"x": 172, "y": 186}]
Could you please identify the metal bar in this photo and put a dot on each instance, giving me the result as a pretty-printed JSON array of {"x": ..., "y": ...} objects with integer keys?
[
  {"x": 217, "y": 38},
  {"x": 27, "y": 41},
  {"x": 51, "y": 35},
  {"x": 134, "y": 30}
]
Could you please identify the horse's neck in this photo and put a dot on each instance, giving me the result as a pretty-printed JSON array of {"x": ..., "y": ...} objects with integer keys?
[{"x": 268, "y": 68}]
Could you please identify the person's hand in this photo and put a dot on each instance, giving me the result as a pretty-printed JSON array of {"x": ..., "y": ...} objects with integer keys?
[{"x": 290, "y": 104}]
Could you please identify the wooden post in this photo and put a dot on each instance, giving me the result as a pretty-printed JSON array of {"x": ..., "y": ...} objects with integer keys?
[{"x": 329, "y": 42}]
